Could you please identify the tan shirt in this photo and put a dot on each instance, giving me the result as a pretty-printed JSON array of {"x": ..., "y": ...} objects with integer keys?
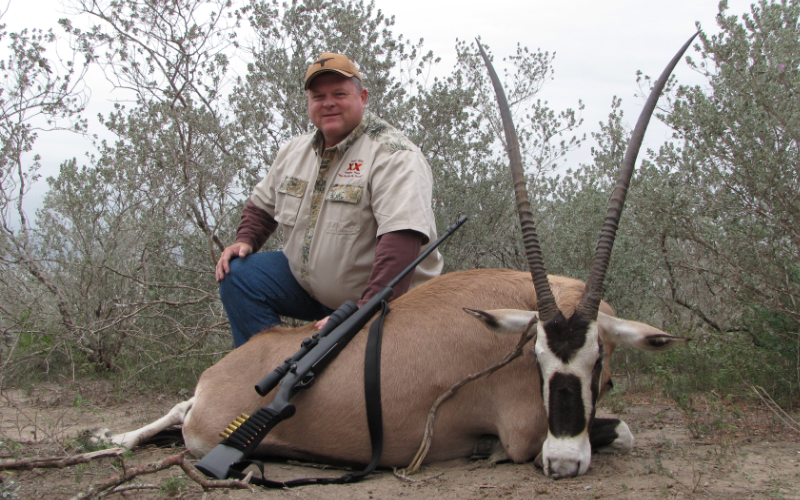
[{"x": 333, "y": 204}]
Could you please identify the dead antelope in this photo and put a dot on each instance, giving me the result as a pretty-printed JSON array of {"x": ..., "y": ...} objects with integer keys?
[{"x": 541, "y": 405}]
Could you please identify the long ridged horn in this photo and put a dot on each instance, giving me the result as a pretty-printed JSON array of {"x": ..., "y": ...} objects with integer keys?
[
  {"x": 590, "y": 302},
  {"x": 544, "y": 296}
]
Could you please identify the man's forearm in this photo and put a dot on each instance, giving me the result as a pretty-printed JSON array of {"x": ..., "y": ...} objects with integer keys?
[
  {"x": 394, "y": 252},
  {"x": 255, "y": 226}
]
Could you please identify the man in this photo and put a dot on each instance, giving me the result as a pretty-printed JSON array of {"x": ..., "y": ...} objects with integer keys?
[{"x": 354, "y": 202}]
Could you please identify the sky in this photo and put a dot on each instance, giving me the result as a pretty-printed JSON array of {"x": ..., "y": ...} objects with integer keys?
[{"x": 599, "y": 47}]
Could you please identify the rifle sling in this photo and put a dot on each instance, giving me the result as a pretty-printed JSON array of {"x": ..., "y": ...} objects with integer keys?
[{"x": 372, "y": 391}]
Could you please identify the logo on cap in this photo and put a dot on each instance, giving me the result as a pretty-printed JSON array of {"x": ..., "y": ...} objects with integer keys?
[{"x": 330, "y": 61}]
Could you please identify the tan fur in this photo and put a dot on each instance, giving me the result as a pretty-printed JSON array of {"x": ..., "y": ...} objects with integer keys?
[{"x": 429, "y": 343}]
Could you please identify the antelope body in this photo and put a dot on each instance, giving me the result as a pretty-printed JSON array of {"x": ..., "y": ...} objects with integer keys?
[{"x": 429, "y": 344}]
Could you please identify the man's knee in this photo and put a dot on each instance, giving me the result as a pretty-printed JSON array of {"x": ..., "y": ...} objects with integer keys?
[{"x": 232, "y": 284}]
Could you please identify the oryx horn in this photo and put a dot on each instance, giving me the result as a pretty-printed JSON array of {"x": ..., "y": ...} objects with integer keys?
[
  {"x": 590, "y": 302},
  {"x": 544, "y": 296}
]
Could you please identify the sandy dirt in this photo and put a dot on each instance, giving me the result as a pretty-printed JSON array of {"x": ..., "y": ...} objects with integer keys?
[{"x": 715, "y": 450}]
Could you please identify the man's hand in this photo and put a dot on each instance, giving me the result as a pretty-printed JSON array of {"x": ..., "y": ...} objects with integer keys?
[
  {"x": 321, "y": 323},
  {"x": 238, "y": 249}
]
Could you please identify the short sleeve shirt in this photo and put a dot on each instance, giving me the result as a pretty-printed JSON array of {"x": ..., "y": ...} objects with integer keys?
[{"x": 333, "y": 204}]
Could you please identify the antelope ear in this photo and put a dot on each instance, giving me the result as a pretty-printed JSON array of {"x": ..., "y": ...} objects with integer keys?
[
  {"x": 506, "y": 321},
  {"x": 637, "y": 335}
]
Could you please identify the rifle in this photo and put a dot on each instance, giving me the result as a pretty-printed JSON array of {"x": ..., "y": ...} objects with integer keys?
[{"x": 299, "y": 372}]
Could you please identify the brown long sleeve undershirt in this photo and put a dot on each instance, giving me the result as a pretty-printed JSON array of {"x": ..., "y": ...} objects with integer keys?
[
  {"x": 393, "y": 252},
  {"x": 255, "y": 226}
]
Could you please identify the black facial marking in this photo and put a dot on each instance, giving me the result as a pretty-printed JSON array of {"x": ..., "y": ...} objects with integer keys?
[
  {"x": 597, "y": 373},
  {"x": 565, "y": 336},
  {"x": 659, "y": 341},
  {"x": 566, "y": 416},
  {"x": 491, "y": 321},
  {"x": 603, "y": 432}
]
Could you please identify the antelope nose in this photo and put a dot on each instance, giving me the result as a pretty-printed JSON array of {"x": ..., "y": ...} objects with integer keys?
[{"x": 561, "y": 468}]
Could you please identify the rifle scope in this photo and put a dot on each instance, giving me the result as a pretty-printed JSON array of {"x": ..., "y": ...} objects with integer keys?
[{"x": 273, "y": 379}]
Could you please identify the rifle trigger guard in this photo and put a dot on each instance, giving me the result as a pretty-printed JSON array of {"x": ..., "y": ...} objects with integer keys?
[{"x": 307, "y": 381}]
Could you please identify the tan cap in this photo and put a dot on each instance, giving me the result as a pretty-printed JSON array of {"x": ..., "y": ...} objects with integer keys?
[{"x": 332, "y": 62}]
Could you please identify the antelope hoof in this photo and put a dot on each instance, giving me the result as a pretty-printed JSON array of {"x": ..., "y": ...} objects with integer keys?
[
  {"x": 107, "y": 436},
  {"x": 491, "y": 449}
]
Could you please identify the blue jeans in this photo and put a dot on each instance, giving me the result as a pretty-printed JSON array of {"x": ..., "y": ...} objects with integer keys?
[{"x": 259, "y": 289}]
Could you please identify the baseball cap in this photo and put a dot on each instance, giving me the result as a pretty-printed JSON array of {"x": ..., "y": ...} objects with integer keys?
[{"x": 330, "y": 61}]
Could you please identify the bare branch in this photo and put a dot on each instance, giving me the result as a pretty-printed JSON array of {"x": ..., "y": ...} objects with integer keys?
[
  {"x": 57, "y": 462},
  {"x": 427, "y": 438}
]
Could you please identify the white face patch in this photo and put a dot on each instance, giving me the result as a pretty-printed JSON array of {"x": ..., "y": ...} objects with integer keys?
[{"x": 568, "y": 455}]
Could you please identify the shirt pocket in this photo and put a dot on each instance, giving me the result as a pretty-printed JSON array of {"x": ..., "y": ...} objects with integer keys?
[
  {"x": 344, "y": 208},
  {"x": 287, "y": 202}
]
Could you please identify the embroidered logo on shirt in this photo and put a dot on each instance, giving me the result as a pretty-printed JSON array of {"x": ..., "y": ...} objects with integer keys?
[{"x": 353, "y": 170}]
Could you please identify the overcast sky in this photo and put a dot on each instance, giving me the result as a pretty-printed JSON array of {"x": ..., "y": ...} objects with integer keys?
[{"x": 599, "y": 46}]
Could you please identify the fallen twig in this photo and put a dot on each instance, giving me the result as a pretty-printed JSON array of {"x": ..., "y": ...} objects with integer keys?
[
  {"x": 57, "y": 462},
  {"x": 100, "y": 489},
  {"x": 206, "y": 483},
  {"x": 777, "y": 410},
  {"x": 416, "y": 463},
  {"x": 128, "y": 473},
  {"x": 129, "y": 487},
  {"x": 399, "y": 475}
]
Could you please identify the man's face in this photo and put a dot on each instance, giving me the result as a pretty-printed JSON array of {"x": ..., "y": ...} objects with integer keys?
[{"x": 335, "y": 106}]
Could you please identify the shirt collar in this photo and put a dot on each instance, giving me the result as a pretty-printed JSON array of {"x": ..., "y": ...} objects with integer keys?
[{"x": 342, "y": 147}]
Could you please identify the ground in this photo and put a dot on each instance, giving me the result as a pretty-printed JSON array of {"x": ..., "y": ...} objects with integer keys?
[{"x": 705, "y": 448}]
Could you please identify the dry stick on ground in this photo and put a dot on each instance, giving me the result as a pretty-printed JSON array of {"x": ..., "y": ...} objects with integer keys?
[
  {"x": 98, "y": 489},
  {"x": 428, "y": 436},
  {"x": 777, "y": 410},
  {"x": 57, "y": 462},
  {"x": 130, "y": 487},
  {"x": 399, "y": 475},
  {"x": 206, "y": 483}
]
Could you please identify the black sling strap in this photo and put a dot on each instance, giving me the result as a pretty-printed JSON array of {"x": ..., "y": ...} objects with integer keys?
[{"x": 372, "y": 392}]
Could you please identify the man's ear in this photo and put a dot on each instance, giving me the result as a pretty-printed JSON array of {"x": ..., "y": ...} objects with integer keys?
[{"x": 364, "y": 94}]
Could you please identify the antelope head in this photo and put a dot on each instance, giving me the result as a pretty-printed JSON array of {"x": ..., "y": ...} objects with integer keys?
[{"x": 569, "y": 350}]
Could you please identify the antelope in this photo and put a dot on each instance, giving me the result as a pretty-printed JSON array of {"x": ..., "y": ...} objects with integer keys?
[{"x": 540, "y": 406}]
